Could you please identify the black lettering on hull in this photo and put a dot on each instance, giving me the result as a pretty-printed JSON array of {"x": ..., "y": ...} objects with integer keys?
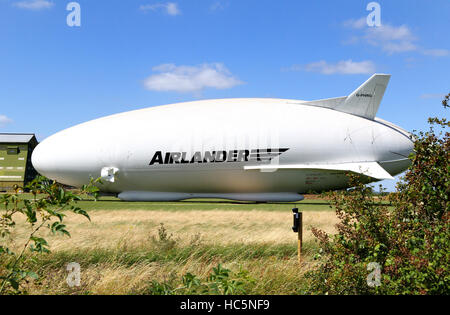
[{"x": 232, "y": 156}]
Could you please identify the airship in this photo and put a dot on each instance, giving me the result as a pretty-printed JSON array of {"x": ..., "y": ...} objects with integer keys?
[{"x": 247, "y": 149}]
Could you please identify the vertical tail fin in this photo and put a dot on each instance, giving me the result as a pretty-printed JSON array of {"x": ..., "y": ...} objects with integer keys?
[{"x": 366, "y": 99}]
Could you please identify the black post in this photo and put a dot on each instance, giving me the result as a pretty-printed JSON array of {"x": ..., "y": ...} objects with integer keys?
[{"x": 298, "y": 228}]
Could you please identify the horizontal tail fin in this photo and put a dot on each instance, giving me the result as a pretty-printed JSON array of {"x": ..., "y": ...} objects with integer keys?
[
  {"x": 370, "y": 169},
  {"x": 364, "y": 101}
]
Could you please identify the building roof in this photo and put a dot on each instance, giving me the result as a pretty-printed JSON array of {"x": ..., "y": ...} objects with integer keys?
[{"x": 16, "y": 137}]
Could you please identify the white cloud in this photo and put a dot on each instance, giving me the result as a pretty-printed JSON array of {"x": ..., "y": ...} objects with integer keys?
[
  {"x": 341, "y": 67},
  {"x": 218, "y": 5},
  {"x": 4, "y": 120},
  {"x": 190, "y": 78},
  {"x": 432, "y": 96},
  {"x": 356, "y": 24},
  {"x": 34, "y": 4},
  {"x": 391, "y": 39},
  {"x": 170, "y": 8},
  {"x": 388, "y": 32},
  {"x": 436, "y": 52}
]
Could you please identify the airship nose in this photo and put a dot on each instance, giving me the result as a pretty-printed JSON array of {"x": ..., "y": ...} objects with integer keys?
[
  {"x": 62, "y": 159},
  {"x": 43, "y": 159}
]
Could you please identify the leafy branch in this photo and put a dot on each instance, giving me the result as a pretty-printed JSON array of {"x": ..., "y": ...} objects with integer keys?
[{"x": 45, "y": 210}]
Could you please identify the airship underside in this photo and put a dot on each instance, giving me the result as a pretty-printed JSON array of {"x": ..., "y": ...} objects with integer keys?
[{"x": 239, "y": 149}]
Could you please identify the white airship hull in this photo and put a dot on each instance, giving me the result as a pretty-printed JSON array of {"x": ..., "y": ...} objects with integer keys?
[{"x": 242, "y": 149}]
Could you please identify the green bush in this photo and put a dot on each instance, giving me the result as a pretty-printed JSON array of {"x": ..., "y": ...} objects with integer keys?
[{"x": 409, "y": 241}]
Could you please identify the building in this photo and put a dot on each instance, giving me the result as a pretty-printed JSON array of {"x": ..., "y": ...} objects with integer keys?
[{"x": 15, "y": 160}]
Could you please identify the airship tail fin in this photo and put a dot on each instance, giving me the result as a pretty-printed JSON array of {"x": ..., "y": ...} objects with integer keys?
[
  {"x": 370, "y": 169},
  {"x": 364, "y": 101}
]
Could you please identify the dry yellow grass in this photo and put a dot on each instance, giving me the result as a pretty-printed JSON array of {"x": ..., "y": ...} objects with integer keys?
[
  {"x": 109, "y": 229},
  {"x": 119, "y": 232}
]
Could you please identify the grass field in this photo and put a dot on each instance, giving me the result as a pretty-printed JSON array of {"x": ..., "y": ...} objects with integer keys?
[{"x": 121, "y": 251}]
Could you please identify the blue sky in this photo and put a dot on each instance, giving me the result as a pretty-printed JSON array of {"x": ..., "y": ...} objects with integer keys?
[{"x": 138, "y": 53}]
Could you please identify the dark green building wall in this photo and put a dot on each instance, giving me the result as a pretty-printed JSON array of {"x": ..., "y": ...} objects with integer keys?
[{"x": 15, "y": 164}]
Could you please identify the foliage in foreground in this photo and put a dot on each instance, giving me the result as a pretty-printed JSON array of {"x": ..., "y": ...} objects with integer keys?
[
  {"x": 220, "y": 281},
  {"x": 44, "y": 211},
  {"x": 401, "y": 251}
]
